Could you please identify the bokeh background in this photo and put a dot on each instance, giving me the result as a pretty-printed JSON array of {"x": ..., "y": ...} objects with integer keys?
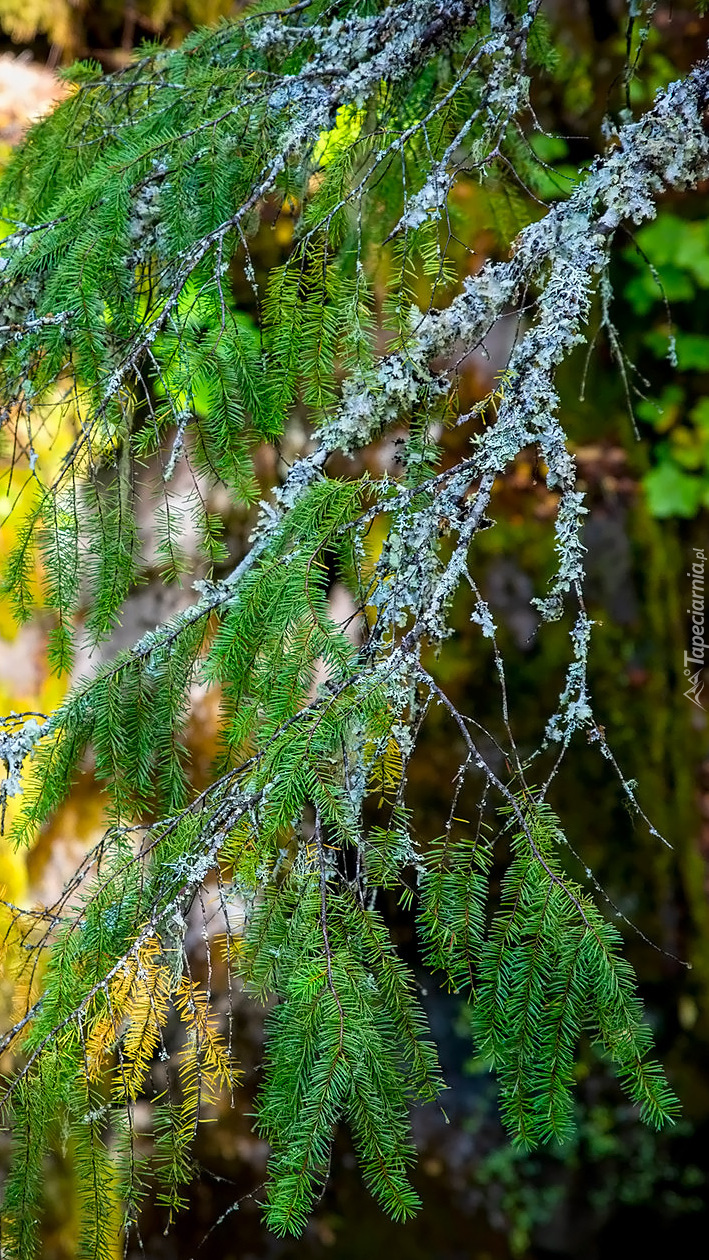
[{"x": 646, "y": 476}]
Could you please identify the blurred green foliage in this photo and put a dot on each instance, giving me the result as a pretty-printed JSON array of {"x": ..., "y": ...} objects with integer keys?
[
  {"x": 668, "y": 293},
  {"x": 609, "y": 1162}
]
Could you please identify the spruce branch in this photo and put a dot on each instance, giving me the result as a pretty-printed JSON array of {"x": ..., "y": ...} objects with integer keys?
[{"x": 122, "y": 323}]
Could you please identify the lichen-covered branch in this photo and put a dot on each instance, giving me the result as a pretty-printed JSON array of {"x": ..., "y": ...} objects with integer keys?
[{"x": 123, "y": 332}]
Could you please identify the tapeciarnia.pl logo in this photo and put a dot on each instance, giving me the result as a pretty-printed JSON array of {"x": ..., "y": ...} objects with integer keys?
[{"x": 694, "y": 660}]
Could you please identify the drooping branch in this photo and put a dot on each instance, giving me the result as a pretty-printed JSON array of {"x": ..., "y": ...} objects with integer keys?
[{"x": 314, "y": 724}]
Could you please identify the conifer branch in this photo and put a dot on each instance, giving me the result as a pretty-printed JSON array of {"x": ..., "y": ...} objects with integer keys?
[{"x": 122, "y": 330}]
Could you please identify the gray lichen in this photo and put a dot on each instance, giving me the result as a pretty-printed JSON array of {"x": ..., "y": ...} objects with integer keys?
[{"x": 18, "y": 735}]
